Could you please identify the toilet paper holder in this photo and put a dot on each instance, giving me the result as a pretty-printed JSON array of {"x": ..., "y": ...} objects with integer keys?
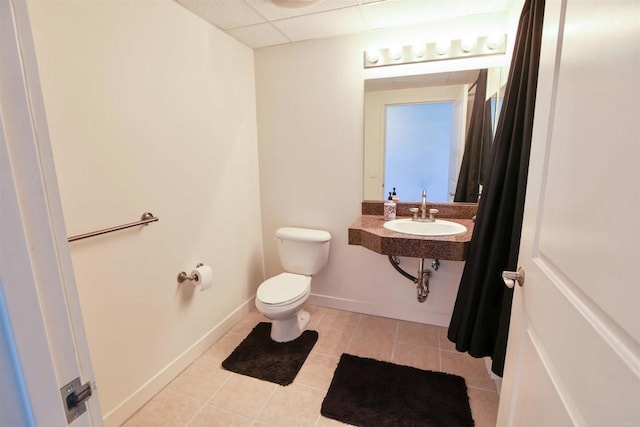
[{"x": 183, "y": 276}]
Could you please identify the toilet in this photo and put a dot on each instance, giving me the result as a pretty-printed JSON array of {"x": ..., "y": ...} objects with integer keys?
[{"x": 303, "y": 252}]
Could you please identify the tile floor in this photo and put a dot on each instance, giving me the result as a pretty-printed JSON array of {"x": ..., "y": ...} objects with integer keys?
[{"x": 205, "y": 394}]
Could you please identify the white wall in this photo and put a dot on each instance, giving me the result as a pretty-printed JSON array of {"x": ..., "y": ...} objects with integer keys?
[
  {"x": 310, "y": 127},
  {"x": 151, "y": 109}
]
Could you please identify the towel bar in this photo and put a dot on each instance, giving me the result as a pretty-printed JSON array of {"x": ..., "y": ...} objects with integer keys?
[{"x": 145, "y": 219}]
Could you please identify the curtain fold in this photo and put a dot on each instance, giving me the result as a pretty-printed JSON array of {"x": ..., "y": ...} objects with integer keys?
[
  {"x": 487, "y": 141},
  {"x": 469, "y": 176},
  {"x": 481, "y": 314}
]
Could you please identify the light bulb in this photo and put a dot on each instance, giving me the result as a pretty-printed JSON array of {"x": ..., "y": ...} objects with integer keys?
[
  {"x": 443, "y": 46},
  {"x": 468, "y": 43},
  {"x": 372, "y": 55},
  {"x": 494, "y": 41},
  {"x": 418, "y": 50},
  {"x": 395, "y": 52}
]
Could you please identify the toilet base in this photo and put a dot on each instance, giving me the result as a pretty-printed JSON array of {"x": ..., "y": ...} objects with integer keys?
[{"x": 285, "y": 330}]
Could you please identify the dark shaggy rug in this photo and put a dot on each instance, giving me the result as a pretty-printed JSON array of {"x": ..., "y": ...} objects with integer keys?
[
  {"x": 368, "y": 392},
  {"x": 260, "y": 357}
]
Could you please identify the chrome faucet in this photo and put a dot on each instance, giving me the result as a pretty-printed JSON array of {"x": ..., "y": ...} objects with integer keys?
[{"x": 423, "y": 211}]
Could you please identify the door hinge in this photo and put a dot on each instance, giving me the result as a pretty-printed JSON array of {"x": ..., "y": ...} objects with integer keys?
[{"x": 74, "y": 395}]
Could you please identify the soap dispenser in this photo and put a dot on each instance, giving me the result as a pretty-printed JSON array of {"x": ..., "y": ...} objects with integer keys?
[
  {"x": 390, "y": 208},
  {"x": 394, "y": 196}
]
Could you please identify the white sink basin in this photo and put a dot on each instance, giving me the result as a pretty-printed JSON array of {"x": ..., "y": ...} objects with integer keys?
[{"x": 438, "y": 228}]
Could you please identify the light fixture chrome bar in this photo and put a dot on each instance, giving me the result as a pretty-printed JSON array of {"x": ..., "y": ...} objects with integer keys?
[{"x": 145, "y": 219}]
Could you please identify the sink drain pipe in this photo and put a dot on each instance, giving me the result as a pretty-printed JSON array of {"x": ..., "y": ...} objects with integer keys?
[{"x": 422, "y": 281}]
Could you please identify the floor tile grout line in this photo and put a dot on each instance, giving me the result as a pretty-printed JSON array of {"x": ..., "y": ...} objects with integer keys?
[
  {"x": 395, "y": 340},
  {"x": 196, "y": 414},
  {"x": 221, "y": 385},
  {"x": 231, "y": 411},
  {"x": 207, "y": 402},
  {"x": 178, "y": 392},
  {"x": 252, "y": 418},
  {"x": 319, "y": 353},
  {"x": 264, "y": 405},
  {"x": 311, "y": 387},
  {"x": 353, "y": 334},
  {"x": 475, "y": 387}
]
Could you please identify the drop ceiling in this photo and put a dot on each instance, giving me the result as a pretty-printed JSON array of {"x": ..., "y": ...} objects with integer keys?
[{"x": 262, "y": 23}]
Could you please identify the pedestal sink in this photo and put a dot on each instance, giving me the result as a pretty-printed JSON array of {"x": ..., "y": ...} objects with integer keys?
[{"x": 439, "y": 227}]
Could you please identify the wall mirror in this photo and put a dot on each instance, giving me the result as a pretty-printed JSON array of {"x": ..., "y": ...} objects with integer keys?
[{"x": 415, "y": 129}]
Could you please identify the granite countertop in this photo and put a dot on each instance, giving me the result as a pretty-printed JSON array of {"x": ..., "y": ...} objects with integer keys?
[{"x": 368, "y": 231}]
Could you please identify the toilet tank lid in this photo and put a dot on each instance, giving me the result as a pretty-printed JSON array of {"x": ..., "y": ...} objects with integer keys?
[{"x": 303, "y": 234}]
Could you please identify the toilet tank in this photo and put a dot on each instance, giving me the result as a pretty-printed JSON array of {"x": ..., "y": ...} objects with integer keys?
[{"x": 303, "y": 250}]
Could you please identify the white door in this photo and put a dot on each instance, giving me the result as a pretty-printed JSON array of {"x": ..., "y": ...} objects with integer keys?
[
  {"x": 39, "y": 307},
  {"x": 573, "y": 356}
]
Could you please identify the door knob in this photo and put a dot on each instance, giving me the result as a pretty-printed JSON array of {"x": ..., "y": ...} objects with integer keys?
[{"x": 511, "y": 277}]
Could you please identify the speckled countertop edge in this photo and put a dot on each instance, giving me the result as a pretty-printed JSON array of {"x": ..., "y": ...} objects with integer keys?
[{"x": 368, "y": 231}]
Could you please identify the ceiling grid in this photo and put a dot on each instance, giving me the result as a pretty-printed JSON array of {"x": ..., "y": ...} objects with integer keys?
[{"x": 262, "y": 23}]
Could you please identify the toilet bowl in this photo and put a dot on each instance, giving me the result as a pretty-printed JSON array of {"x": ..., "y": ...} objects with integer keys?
[
  {"x": 303, "y": 252},
  {"x": 280, "y": 299}
]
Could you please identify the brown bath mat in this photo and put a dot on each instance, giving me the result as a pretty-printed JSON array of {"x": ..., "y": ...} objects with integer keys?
[
  {"x": 260, "y": 357},
  {"x": 368, "y": 392}
]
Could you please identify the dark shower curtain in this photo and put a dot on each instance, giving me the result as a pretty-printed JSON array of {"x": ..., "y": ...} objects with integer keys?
[
  {"x": 474, "y": 146},
  {"x": 480, "y": 320}
]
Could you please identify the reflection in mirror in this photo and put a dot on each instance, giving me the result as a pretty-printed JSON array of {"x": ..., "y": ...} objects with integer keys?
[
  {"x": 477, "y": 144},
  {"x": 415, "y": 130},
  {"x": 476, "y": 167},
  {"x": 499, "y": 97},
  {"x": 495, "y": 105},
  {"x": 417, "y": 148}
]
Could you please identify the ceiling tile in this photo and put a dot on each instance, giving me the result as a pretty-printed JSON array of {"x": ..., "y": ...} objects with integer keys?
[
  {"x": 393, "y": 13},
  {"x": 225, "y": 14},
  {"x": 273, "y": 12},
  {"x": 328, "y": 24},
  {"x": 260, "y": 35}
]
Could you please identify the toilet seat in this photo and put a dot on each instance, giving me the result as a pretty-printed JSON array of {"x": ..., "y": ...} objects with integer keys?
[{"x": 284, "y": 289}]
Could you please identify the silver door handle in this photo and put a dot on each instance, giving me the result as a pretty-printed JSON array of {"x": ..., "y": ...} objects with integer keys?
[{"x": 511, "y": 277}]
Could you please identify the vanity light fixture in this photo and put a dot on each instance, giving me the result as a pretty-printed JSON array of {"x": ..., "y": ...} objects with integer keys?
[{"x": 435, "y": 51}]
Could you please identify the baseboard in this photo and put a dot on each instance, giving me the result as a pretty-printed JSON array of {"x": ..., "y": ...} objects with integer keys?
[
  {"x": 392, "y": 312},
  {"x": 497, "y": 379},
  {"x": 135, "y": 401}
]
